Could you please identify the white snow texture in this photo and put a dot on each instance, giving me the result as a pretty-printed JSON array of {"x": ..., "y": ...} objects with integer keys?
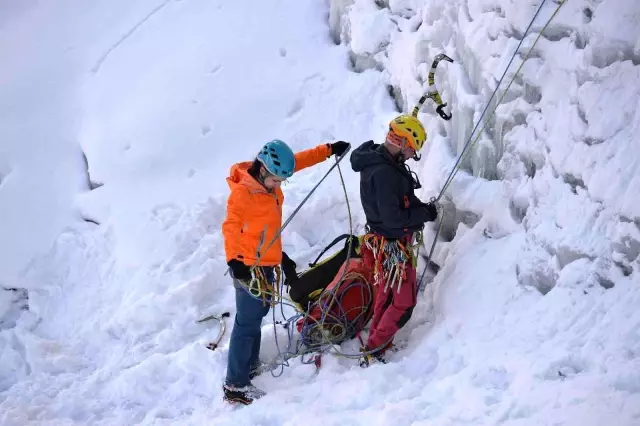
[{"x": 119, "y": 122}]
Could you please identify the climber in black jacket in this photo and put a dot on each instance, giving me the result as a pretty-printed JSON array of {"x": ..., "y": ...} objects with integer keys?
[{"x": 394, "y": 216}]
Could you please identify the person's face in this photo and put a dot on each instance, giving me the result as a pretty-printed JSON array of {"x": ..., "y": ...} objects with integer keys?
[
  {"x": 408, "y": 152},
  {"x": 400, "y": 145},
  {"x": 271, "y": 181}
]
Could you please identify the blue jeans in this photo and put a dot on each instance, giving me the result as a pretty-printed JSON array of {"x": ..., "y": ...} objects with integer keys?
[{"x": 244, "y": 346}]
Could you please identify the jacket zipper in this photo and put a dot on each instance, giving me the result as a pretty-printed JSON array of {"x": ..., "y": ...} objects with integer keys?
[{"x": 263, "y": 234}]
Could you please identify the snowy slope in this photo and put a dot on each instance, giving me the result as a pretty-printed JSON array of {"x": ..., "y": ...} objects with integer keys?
[{"x": 533, "y": 318}]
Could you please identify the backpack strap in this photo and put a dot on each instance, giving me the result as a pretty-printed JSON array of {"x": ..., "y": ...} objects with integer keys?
[{"x": 333, "y": 243}]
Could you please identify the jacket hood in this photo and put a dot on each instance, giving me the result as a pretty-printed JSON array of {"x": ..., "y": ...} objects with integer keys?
[
  {"x": 239, "y": 176},
  {"x": 368, "y": 154}
]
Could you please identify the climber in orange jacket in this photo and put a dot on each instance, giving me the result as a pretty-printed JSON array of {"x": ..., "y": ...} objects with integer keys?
[{"x": 254, "y": 218}]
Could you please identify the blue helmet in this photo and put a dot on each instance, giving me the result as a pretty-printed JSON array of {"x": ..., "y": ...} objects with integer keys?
[{"x": 278, "y": 158}]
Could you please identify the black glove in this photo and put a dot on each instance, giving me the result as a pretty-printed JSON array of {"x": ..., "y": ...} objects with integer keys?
[
  {"x": 289, "y": 269},
  {"x": 339, "y": 148},
  {"x": 432, "y": 211},
  {"x": 239, "y": 270}
]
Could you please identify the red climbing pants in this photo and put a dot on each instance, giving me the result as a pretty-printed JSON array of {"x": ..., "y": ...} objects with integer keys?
[{"x": 392, "y": 307}]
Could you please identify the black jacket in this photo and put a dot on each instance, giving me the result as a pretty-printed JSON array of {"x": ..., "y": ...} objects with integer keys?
[{"x": 386, "y": 192}]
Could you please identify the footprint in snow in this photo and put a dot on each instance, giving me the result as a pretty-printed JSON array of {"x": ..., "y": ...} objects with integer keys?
[{"x": 295, "y": 109}]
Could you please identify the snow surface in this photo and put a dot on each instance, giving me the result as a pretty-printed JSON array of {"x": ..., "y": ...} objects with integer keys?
[{"x": 119, "y": 122}]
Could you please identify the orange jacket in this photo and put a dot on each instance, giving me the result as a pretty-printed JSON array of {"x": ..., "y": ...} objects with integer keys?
[{"x": 254, "y": 215}]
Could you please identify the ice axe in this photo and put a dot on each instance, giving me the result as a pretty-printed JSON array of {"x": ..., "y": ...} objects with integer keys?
[
  {"x": 223, "y": 327},
  {"x": 432, "y": 91}
]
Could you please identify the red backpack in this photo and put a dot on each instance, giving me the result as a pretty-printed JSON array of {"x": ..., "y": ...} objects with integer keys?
[{"x": 338, "y": 294}]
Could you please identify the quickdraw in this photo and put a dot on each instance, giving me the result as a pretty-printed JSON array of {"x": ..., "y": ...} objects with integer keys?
[
  {"x": 390, "y": 261},
  {"x": 432, "y": 92}
]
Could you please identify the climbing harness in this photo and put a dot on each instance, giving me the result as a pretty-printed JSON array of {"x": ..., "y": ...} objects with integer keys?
[{"x": 432, "y": 91}]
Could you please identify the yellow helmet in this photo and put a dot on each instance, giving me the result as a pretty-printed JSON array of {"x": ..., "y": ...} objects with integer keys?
[{"x": 410, "y": 128}]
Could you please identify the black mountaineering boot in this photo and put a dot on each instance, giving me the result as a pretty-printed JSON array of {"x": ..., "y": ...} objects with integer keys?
[{"x": 242, "y": 395}]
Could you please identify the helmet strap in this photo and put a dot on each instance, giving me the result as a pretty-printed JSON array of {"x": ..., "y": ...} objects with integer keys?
[
  {"x": 415, "y": 156},
  {"x": 401, "y": 158}
]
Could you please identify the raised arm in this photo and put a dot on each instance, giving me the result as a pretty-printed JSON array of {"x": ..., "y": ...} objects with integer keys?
[{"x": 311, "y": 157}]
